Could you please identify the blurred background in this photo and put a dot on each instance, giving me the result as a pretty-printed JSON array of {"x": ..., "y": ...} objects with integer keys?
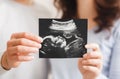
[{"x": 46, "y": 3}]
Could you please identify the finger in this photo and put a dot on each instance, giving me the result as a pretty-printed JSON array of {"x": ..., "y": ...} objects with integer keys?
[
  {"x": 95, "y": 47},
  {"x": 22, "y": 50},
  {"x": 23, "y": 54},
  {"x": 23, "y": 58},
  {"x": 92, "y": 69},
  {"x": 80, "y": 63},
  {"x": 93, "y": 55},
  {"x": 24, "y": 42},
  {"x": 28, "y": 36},
  {"x": 92, "y": 62}
]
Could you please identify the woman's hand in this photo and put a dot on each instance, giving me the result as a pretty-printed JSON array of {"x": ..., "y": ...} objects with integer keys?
[
  {"x": 91, "y": 64},
  {"x": 20, "y": 48}
]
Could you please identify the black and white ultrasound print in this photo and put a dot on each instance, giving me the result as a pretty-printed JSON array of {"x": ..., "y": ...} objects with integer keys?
[{"x": 63, "y": 38}]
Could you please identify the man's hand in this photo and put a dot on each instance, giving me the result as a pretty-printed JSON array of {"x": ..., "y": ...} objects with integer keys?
[{"x": 20, "y": 48}]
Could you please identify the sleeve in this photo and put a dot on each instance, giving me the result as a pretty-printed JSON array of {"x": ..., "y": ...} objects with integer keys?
[
  {"x": 2, "y": 22},
  {"x": 114, "y": 72},
  {"x": 101, "y": 76},
  {"x": 3, "y": 14}
]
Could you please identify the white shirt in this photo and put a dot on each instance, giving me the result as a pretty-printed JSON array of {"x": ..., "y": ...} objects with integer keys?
[{"x": 16, "y": 17}]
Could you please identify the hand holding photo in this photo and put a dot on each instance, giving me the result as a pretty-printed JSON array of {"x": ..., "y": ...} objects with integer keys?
[{"x": 63, "y": 38}]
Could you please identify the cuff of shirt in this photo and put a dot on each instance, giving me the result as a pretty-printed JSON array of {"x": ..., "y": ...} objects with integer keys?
[{"x": 101, "y": 76}]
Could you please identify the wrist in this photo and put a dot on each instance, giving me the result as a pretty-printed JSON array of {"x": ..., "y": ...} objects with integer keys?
[
  {"x": 89, "y": 77},
  {"x": 4, "y": 62}
]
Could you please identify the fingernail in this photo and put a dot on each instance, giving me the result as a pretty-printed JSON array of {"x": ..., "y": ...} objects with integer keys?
[
  {"x": 41, "y": 39},
  {"x": 85, "y": 55},
  {"x": 86, "y": 46},
  {"x": 84, "y": 67},
  {"x": 40, "y": 45}
]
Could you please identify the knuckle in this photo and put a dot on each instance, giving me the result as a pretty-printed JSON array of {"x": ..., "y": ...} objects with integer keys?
[
  {"x": 89, "y": 68},
  {"x": 24, "y": 34},
  {"x": 89, "y": 61},
  {"x": 8, "y": 49},
  {"x": 17, "y": 53},
  {"x": 21, "y": 41},
  {"x": 100, "y": 65},
  {"x": 18, "y": 58},
  {"x": 12, "y": 35},
  {"x": 90, "y": 54},
  {"x": 17, "y": 48},
  {"x": 8, "y": 52},
  {"x": 8, "y": 43}
]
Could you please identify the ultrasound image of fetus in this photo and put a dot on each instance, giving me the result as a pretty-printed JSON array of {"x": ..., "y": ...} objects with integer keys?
[
  {"x": 62, "y": 39},
  {"x": 51, "y": 44},
  {"x": 75, "y": 48},
  {"x": 67, "y": 45}
]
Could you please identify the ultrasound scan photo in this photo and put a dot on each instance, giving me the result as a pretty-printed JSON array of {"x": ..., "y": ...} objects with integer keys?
[{"x": 63, "y": 38}]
